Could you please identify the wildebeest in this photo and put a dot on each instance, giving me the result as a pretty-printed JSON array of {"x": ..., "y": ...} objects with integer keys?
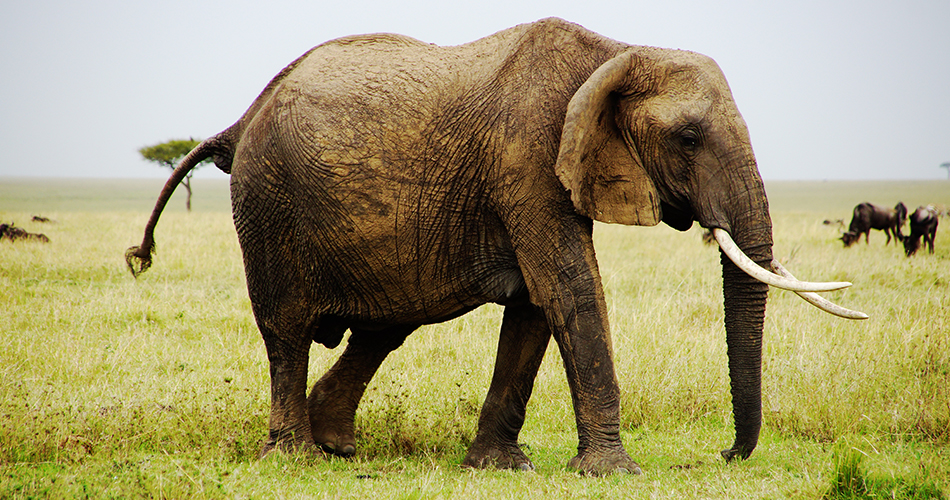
[
  {"x": 867, "y": 216},
  {"x": 13, "y": 233},
  {"x": 923, "y": 222},
  {"x": 836, "y": 222}
]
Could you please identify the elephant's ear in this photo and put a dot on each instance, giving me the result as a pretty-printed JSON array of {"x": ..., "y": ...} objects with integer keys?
[{"x": 606, "y": 178}]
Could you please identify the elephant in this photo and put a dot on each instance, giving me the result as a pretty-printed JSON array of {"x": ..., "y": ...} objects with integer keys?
[
  {"x": 867, "y": 216},
  {"x": 379, "y": 183},
  {"x": 923, "y": 223}
]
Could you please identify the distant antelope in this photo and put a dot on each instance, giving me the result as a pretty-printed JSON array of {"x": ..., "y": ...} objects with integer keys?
[
  {"x": 923, "y": 222},
  {"x": 867, "y": 217}
]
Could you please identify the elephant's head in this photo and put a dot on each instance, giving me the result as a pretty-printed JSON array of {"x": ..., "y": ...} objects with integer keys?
[{"x": 655, "y": 135}]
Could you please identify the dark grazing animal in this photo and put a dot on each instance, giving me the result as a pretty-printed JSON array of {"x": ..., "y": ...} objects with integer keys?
[
  {"x": 923, "y": 222},
  {"x": 867, "y": 216},
  {"x": 13, "y": 233},
  {"x": 836, "y": 222}
]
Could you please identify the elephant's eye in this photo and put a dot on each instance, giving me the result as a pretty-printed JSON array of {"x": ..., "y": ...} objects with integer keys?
[{"x": 690, "y": 140}]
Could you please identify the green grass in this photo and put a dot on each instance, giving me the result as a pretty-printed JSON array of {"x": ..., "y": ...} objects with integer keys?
[
  {"x": 158, "y": 387},
  {"x": 852, "y": 481}
]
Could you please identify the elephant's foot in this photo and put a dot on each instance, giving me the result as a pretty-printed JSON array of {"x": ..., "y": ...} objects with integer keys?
[
  {"x": 604, "y": 461},
  {"x": 339, "y": 440},
  {"x": 497, "y": 456},
  {"x": 331, "y": 422},
  {"x": 288, "y": 443}
]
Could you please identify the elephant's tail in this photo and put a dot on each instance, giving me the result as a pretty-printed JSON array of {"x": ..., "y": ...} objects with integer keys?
[{"x": 139, "y": 258}]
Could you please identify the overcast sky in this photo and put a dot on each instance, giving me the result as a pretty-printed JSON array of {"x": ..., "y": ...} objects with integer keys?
[{"x": 830, "y": 89}]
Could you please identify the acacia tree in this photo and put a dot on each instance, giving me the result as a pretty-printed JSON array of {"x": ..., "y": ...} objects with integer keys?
[
  {"x": 168, "y": 154},
  {"x": 946, "y": 165}
]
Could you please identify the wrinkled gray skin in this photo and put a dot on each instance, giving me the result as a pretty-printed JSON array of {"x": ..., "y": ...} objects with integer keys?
[{"x": 380, "y": 183}]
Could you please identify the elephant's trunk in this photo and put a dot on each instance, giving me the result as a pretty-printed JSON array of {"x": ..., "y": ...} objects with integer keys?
[
  {"x": 744, "y": 217},
  {"x": 746, "y": 272},
  {"x": 744, "y": 301}
]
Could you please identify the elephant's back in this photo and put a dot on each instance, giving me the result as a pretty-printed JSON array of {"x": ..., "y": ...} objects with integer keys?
[
  {"x": 362, "y": 68},
  {"x": 386, "y": 69}
]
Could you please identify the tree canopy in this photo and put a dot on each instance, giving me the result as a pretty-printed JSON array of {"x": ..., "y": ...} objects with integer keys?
[{"x": 168, "y": 154}]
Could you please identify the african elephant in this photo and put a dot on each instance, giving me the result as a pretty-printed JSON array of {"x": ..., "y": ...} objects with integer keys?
[
  {"x": 923, "y": 223},
  {"x": 379, "y": 183},
  {"x": 867, "y": 216}
]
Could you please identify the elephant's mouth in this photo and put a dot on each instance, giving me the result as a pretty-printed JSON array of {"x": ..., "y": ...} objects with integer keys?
[
  {"x": 783, "y": 279},
  {"x": 681, "y": 220}
]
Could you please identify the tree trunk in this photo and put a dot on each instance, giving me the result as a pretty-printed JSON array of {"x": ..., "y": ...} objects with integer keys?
[{"x": 187, "y": 184}]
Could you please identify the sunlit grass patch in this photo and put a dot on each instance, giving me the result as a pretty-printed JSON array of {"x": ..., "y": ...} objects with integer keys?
[
  {"x": 159, "y": 386},
  {"x": 852, "y": 479}
]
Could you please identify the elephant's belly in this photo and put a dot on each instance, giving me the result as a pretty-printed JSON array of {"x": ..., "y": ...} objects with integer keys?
[{"x": 422, "y": 295}]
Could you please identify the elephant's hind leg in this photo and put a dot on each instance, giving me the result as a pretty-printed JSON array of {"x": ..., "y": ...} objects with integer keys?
[
  {"x": 289, "y": 425},
  {"x": 524, "y": 338},
  {"x": 334, "y": 398}
]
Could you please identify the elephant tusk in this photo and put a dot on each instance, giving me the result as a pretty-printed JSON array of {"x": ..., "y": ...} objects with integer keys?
[
  {"x": 735, "y": 254},
  {"x": 819, "y": 301}
]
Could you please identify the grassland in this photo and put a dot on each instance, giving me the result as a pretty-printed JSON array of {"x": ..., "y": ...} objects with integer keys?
[{"x": 158, "y": 387}]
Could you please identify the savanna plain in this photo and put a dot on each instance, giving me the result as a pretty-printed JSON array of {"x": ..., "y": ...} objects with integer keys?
[{"x": 114, "y": 387}]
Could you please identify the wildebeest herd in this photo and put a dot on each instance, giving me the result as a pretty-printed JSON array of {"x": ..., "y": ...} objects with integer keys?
[
  {"x": 867, "y": 216},
  {"x": 11, "y": 232}
]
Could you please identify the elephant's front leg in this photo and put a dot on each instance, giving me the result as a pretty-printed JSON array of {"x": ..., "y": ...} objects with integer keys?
[
  {"x": 289, "y": 425},
  {"x": 560, "y": 270},
  {"x": 579, "y": 325},
  {"x": 524, "y": 338},
  {"x": 335, "y": 397}
]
